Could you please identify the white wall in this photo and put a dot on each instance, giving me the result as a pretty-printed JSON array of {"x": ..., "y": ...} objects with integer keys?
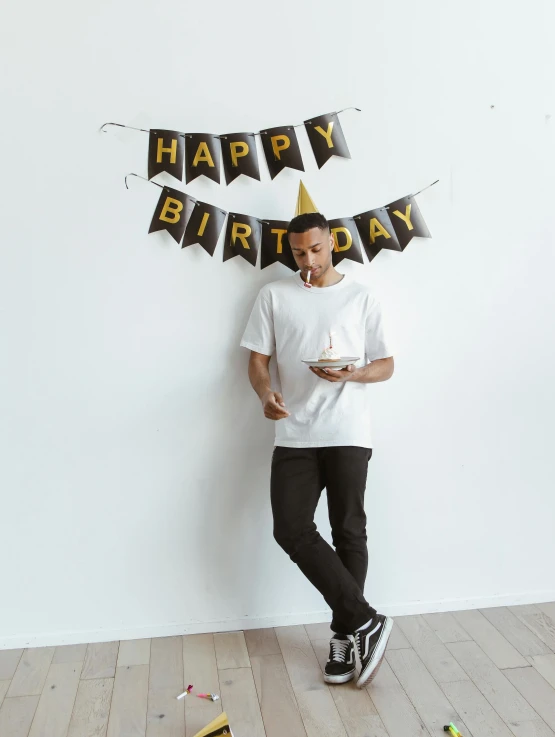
[{"x": 135, "y": 457}]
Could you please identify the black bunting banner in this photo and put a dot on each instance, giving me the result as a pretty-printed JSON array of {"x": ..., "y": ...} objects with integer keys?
[
  {"x": 275, "y": 245},
  {"x": 346, "y": 240},
  {"x": 326, "y": 138},
  {"x": 407, "y": 220},
  {"x": 167, "y": 149},
  {"x": 172, "y": 212},
  {"x": 281, "y": 149},
  {"x": 204, "y": 226},
  {"x": 202, "y": 156},
  {"x": 239, "y": 155},
  {"x": 389, "y": 227},
  {"x": 166, "y": 153},
  {"x": 242, "y": 237},
  {"x": 376, "y": 231}
]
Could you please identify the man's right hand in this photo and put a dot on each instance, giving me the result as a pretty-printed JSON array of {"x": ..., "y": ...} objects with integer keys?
[{"x": 274, "y": 406}]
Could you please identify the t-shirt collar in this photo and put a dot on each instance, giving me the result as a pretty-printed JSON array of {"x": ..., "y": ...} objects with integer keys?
[{"x": 320, "y": 290}]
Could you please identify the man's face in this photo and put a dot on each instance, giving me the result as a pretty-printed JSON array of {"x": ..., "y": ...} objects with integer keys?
[{"x": 312, "y": 251}]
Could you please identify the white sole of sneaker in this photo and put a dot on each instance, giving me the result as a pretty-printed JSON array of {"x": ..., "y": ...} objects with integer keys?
[
  {"x": 344, "y": 678},
  {"x": 368, "y": 674}
]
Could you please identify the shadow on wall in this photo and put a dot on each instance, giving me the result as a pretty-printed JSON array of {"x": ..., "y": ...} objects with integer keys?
[{"x": 234, "y": 522}]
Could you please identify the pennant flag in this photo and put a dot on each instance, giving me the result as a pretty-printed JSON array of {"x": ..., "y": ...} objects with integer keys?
[
  {"x": 326, "y": 138},
  {"x": 166, "y": 153},
  {"x": 242, "y": 237},
  {"x": 346, "y": 243},
  {"x": 239, "y": 155},
  {"x": 407, "y": 220},
  {"x": 172, "y": 212},
  {"x": 305, "y": 202},
  {"x": 217, "y": 727},
  {"x": 204, "y": 226},
  {"x": 275, "y": 245},
  {"x": 376, "y": 231},
  {"x": 281, "y": 149},
  {"x": 202, "y": 156}
]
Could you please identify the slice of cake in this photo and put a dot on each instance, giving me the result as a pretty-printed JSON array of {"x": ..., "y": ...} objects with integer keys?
[{"x": 329, "y": 353}]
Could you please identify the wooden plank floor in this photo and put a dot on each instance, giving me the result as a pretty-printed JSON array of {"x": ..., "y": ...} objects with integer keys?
[{"x": 491, "y": 672}]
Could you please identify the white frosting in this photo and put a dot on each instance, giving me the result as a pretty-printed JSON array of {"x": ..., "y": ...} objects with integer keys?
[{"x": 329, "y": 354}]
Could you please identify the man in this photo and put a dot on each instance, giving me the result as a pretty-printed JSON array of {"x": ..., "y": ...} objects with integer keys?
[{"x": 323, "y": 437}]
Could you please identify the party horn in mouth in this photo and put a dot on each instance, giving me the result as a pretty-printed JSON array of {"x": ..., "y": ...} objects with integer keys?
[{"x": 307, "y": 283}]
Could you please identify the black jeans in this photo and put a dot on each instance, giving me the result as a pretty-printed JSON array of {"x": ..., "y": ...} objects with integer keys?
[{"x": 298, "y": 477}]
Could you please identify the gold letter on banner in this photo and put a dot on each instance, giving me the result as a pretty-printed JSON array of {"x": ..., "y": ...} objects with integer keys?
[
  {"x": 202, "y": 154},
  {"x": 285, "y": 143},
  {"x": 238, "y": 148},
  {"x": 406, "y": 217},
  {"x": 279, "y": 233},
  {"x": 203, "y": 223},
  {"x": 326, "y": 134},
  {"x": 247, "y": 230},
  {"x": 173, "y": 208},
  {"x": 161, "y": 150},
  {"x": 377, "y": 230},
  {"x": 348, "y": 236}
]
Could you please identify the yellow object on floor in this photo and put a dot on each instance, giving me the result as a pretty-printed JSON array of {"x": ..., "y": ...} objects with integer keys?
[{"x": 219, "y": 726}]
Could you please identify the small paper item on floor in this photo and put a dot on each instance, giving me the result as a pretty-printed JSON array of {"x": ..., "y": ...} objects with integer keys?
[
  {"x": 185, "y": 693},
  {"x": 219, "y": 726},
  {"x": 209, "y": 696}
]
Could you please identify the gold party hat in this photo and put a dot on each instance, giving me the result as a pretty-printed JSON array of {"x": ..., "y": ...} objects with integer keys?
[
  {"x": 304, "y": 202},
  {"x": 220, "y": 726}
]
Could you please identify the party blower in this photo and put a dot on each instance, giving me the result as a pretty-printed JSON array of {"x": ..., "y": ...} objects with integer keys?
[{"x": 452, "y": 730}]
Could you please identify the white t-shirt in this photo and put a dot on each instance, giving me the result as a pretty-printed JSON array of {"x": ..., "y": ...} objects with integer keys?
[{"x": 293, "y": 323}]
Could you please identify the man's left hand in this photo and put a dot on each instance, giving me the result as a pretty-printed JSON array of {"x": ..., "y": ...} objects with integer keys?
[{"x": 345, "y": 374}]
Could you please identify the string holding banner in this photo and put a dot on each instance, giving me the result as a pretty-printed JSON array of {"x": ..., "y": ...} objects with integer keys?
[
  {"x": 169, "y": 150},
  {"x": 423, "y": 189},
  {"x": 146, "y": 130},
  {"x": 131, "y": 174}
]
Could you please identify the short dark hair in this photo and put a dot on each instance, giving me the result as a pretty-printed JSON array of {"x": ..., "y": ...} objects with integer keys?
[{"x": 307, "y": 221}]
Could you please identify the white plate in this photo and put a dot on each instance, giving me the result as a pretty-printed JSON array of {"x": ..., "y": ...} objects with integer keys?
[{"x": 344, "y": 361}]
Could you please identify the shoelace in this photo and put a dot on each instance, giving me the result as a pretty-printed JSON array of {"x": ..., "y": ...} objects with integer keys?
[{"x": 339, "y": 650}]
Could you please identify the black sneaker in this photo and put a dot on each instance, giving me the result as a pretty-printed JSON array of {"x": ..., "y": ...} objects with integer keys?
[
  {"x": 371, "y": 643},
  {"x": 341, "y": 665}
]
